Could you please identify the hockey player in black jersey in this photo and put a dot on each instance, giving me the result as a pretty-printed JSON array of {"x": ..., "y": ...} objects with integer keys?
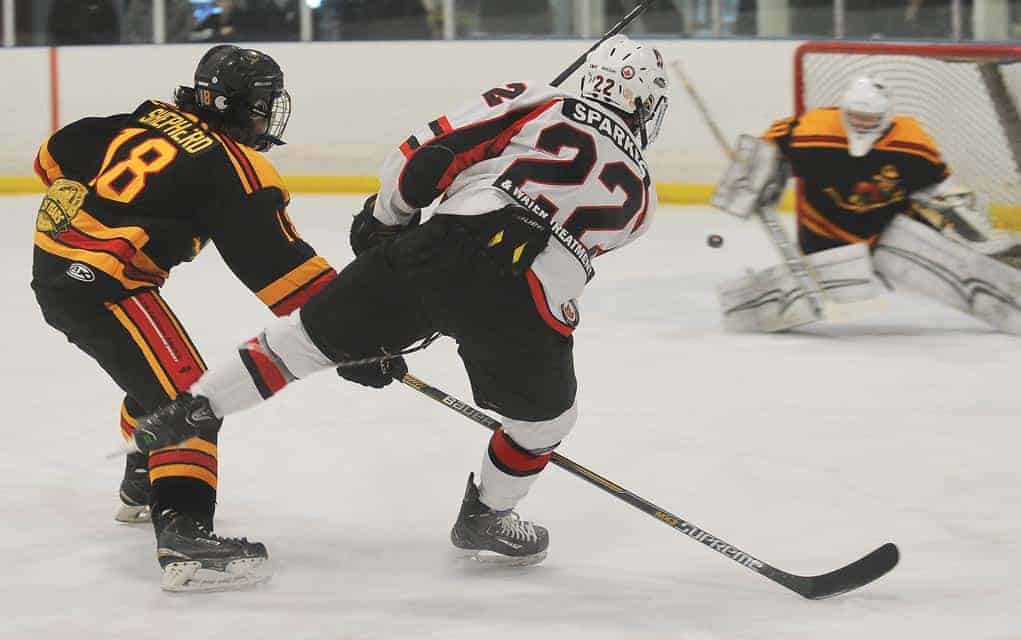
[{"x": 129, "y": 197}]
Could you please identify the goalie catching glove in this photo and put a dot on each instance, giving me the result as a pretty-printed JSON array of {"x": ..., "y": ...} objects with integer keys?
[
  {"x": 953, "y": 210},
  {"x": 953, "y": 207}
]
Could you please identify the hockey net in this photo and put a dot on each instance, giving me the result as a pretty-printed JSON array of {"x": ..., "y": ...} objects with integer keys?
[{"x": 966, "y": 96}]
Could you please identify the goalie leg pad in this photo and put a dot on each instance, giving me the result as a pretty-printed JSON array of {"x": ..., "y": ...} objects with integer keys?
[
  {"x": 771, "y": 300},
  {"x": 912, "y": 256}
]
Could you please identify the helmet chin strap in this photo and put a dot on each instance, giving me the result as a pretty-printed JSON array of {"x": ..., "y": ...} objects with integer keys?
[
  {"x": 267, "y": 142},
  {"x": 642, "y": 119}
]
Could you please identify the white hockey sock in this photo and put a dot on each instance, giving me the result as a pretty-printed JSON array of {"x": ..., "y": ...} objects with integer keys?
[
  {"x": 262, "y": 366},
  {"x": 516, "y": 456},
  {"x": 228, "y": 387},
  {"x": 500, "y": 490}
]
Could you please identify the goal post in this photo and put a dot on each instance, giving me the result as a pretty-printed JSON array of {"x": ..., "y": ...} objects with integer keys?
[{"x": 966, "y": 96}]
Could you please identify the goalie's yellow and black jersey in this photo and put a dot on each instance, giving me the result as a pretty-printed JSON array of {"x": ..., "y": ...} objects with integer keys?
[
  {"x": 846, "y": 199},
  {"x": 131, "y": 196}
]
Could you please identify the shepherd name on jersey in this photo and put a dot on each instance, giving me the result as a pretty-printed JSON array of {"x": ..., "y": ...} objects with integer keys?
[
  {"x": 848, "y": 199},
  {"x": 570, "y": 160},
  {"x": 133, "y": 195}
]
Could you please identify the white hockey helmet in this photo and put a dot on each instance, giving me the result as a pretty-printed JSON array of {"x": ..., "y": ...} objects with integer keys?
[
  {"x": 630, "y": 77},
  {"x": 867, "y": 114}
]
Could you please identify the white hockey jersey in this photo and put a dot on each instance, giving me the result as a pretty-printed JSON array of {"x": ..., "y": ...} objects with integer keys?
[{"x": 567, "y": 159}]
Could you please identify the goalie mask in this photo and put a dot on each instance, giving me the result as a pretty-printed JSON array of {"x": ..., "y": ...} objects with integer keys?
[
  {"x": 866, "y": 113},
  {"x": 629, "y": 77},
  {"x": 241, "y": 91}
]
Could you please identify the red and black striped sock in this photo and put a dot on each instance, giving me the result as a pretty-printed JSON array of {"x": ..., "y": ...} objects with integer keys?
[
  {"x": 512, "y": 459},
  {"x": 268, "y": 371}
]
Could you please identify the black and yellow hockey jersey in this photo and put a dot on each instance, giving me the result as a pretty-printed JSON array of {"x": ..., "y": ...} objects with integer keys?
[
  {"x": 846, "y": 199},
  {"x": 131, "y": 196}
]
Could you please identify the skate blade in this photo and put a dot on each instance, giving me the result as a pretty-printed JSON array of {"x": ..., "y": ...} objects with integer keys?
[
  {"x": 492, "y": 558},
  {"x": 192, "y": 577},
  {"x": 131, "y": 514}
]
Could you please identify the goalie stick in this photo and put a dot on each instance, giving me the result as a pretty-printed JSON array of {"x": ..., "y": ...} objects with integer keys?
[
  {"x": 790, "y": 255},
  {"x": 857, "y": 574}
]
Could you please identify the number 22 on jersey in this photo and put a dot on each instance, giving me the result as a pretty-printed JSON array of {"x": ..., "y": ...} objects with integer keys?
[{"x": 576, "y": 172}]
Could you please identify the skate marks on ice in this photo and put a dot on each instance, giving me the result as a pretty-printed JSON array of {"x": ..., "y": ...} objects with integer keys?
[{"x": 806, "y": 448}]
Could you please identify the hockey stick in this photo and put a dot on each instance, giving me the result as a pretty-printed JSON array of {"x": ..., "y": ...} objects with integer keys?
[
  {"x": 792, "y": 258},
  {"x": 617, "y": 28},
  {"x": 852, "y": 576}
]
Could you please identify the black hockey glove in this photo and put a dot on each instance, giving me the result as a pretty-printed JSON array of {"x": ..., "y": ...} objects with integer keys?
[
  {"x": 367, "y": 231},
  {"x": 376, "y": 374},
  {"x": 512, "y": 238}
]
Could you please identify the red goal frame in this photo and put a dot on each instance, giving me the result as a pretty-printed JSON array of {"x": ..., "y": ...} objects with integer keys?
[{"x": 946, "y": 51}]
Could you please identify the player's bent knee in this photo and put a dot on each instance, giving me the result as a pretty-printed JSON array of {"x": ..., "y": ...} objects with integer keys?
[
  {"x": 542, "y": 436},
  {"x": 289, "y": 342}
]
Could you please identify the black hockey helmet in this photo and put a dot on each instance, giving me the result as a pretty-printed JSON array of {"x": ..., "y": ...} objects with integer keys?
[{"x": 241, "y": 92}]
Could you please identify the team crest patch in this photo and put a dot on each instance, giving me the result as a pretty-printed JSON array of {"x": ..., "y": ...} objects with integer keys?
[
  {"x": 628, "y": 72},
  {"x": 81, "y": 272},
  {"x": 570, "y": 312},
  {"x": 60, "y": 205}
]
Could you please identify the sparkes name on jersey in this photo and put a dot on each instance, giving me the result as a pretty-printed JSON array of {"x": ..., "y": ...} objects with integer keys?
[{"x": 585, "y": 114}]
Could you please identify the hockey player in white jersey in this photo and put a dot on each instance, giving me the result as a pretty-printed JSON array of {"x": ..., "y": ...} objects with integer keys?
[{"x": 535, "y": 182}]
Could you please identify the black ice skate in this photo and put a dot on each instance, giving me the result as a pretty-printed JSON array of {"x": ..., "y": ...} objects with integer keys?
[
  {"x": 195, "y": 559},
  {"x": 135, "y": 490},
  {"x": 498, "y": 537},
  {"x": 186, "y": 417}
]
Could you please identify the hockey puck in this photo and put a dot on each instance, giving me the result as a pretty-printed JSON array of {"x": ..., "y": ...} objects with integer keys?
[{"x": 715, "y": 241}]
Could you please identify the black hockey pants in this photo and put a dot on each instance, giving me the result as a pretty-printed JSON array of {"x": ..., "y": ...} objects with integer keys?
[{"x": 434, "y": 278}]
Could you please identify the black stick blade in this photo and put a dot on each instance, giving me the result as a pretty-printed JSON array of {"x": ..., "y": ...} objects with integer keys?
[{"x": 857, "y": 574}]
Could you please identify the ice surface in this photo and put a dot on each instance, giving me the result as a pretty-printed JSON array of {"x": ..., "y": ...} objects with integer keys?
[{"x": 806, "y": 450}]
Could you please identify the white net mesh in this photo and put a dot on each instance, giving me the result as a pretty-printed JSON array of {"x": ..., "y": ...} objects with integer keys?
[{"x": 965, "y": 98}]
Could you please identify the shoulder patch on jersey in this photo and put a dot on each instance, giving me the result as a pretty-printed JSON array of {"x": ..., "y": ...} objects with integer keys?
[{"x": 588, "y": 115}]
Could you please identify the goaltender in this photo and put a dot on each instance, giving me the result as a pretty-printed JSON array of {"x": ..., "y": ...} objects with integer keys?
[{"x": 876, "y": 196}]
